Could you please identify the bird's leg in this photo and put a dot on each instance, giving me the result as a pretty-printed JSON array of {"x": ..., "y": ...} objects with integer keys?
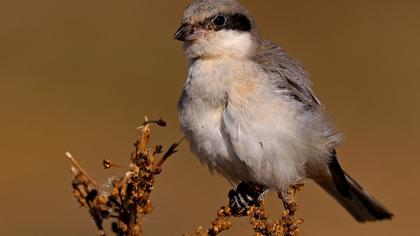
[{"x": 246, "y": 195}]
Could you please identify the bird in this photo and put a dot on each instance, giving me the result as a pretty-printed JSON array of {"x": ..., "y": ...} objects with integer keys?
[{"x": 249, "y": 113}]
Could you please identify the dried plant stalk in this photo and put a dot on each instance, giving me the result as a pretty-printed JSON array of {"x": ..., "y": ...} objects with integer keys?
[
  {"x": 129, "y": 199},
  {"x": 287, "y": 225}
]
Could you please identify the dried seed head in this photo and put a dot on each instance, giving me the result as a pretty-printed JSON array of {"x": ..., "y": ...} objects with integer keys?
[
  {"x": 159, "y": 149},
  {"x": 102, "y": 200},
  {"x": 162, "y": 123},
  {"x": 117, "y": 198},
  {"x": 107, "y": 164}
]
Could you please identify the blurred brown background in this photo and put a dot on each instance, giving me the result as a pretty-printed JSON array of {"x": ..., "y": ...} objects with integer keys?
[{"x": 79, "y": 76}]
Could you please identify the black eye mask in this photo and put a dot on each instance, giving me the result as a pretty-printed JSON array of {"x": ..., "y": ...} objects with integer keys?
[{"x": 218, "y": 22}]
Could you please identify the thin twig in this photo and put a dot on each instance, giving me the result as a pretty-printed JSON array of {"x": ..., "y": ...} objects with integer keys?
[
  {"x": 78, "y": 166},
  {"x": 172, "y": 150}
]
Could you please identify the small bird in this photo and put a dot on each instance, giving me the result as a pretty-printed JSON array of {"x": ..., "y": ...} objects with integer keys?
[{"x": 249, "y": 113}]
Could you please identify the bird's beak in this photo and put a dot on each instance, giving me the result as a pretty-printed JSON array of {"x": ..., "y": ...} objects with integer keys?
[
  {"x": 187, "y": 33},
  {"x": 183, "y": 32}
]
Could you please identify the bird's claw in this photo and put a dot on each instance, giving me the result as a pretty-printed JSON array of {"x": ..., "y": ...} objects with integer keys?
[{"x": 246, "y": 195}]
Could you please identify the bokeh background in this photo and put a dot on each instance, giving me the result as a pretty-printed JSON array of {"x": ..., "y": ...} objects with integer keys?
[{"x": 80, "y": 75}]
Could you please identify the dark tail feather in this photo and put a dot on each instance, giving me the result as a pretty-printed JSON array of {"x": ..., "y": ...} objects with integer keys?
[{"x": 360, "y": 204}]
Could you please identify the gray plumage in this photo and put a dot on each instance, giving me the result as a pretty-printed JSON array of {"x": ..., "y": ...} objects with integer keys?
[{"x": 249, "y": 112}]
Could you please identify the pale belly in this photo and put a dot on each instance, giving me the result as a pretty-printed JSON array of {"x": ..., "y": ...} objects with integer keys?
[{"x": 202, "y": 126}]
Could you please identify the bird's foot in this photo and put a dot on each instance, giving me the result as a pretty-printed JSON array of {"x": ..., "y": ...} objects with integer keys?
[{"x": 246, "y": 195}]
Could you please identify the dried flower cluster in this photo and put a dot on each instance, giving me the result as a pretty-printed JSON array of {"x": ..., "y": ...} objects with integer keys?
[
  {"x": 287, "y": 225},
  {"x": 128, "y": 201}
]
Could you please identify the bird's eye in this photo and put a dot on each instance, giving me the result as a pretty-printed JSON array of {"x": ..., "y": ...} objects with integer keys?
[{"x": 219, "y": 20}]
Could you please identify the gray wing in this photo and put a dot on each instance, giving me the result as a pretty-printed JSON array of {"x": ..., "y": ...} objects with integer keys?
[{"x": 287, "y": 73}]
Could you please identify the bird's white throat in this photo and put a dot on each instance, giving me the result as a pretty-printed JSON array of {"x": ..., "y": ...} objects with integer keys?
[{"x": 223, "y": 43}]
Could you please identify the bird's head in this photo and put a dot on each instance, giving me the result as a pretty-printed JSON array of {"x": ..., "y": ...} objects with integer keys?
[{"x": 218, "y": 28}]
